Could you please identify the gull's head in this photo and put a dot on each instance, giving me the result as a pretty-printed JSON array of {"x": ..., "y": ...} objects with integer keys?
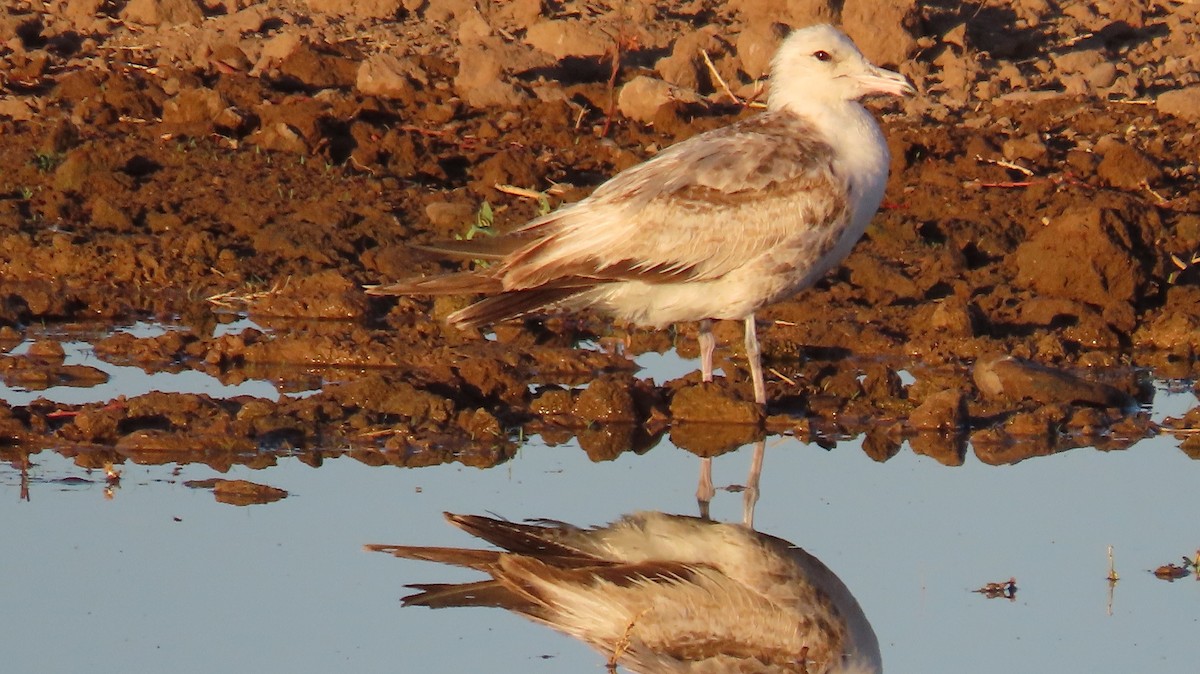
[{"x": 820, "y": 65}]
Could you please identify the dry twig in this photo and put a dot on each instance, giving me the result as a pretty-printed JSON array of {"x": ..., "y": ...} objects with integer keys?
[{"x": 712, "y": 71}]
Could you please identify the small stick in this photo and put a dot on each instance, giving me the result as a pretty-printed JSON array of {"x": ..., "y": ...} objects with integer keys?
[
  {"x": 527, "y": 193},
  {"x": 1009, "y": 184},
  {"x": 1005, "y": 164},
  {"x": 1112, "y": 571},
  {"x": 612, "y": 84},
  {"x": 777, "y": 373},
  {"x": 1161, "y": 199},
  {"x": 712, "y": 70},
  {"x": 759, "y": 89}
]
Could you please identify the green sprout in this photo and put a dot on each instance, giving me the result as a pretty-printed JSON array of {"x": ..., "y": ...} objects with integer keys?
[
  {"x": 47, "y": 161},
  {"x": 482, "y": 225},
  {"x": 1181, "y": 265}
]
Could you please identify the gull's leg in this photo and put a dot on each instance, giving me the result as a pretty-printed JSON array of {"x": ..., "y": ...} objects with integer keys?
[
  {"x": 760, "y": 396},
  {"x": 753, "y": 355},
  {"x": 750, "y": 497},
  {"x": 708, "y": 344},
  {"x": 705, "y": 490}
]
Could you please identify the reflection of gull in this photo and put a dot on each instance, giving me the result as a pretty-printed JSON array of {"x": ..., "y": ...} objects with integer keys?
[
  {"x": 714, "y": 227},
  {"x": 664, "y": 593}
]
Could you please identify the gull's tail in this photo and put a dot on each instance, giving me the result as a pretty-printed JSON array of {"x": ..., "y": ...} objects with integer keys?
[{"x": 461, "y": 283}]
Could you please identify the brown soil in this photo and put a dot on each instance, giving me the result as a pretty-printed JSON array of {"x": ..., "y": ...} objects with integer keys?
[{"x": 179, "y": 161}]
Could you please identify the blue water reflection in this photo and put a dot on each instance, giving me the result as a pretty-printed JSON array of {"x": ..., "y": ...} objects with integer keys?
[{"x": 162, "y": 573}]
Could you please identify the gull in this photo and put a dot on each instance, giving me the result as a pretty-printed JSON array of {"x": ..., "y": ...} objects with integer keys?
[
  {"x": 714, "y": 227},
  {"x": 663, "y": 593}
]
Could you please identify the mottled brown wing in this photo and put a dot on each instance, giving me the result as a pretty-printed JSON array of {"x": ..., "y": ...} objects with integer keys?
[{"x": 697, "y": 211}]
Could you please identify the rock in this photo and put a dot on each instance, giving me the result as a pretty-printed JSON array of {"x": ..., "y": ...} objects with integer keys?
[
  {"x": 569, "y": 37},
  {"x": 243, "y": 492},
  {"x": 449, "y": 215},
  {"x": 312, "y": 69},
  {"x": 193, "y": 106},
  {"x": 795, "y": 13},
  {"x": 641, "y": 97},
  {"x": 1127, "y": 167},
  {"x": 277, "y": 49},
  {"x": 81, "y": 12},
  {"x": 954, "y": 317},
  {"x": 281, "y": 137},
  {"x": 552, "y": 404},
  {"x": 160, "y": 12},
  {"x": 1102, "y": 76},
  {"x": 520, "y": 13},
  {"x": 685, "y": 66},
  {"x": 1183, "y": 103},
  {"x": 948, "y": 449},
  {"x": 17, "y": 109},
  {"x": 79, "y": 170},
  {"x": 607, "y": 400},
  {"x": 473, "y": 28},
  {"x": 107, "y": 216},
  {"x": 511, "y": 166},
  {"x": 883, "y": 29},
  {"x": 1177, "y": 326},
  {"x": 1080, "y": 256},
  {"x": 385, "y": 75},
  {"x": 942, "y": 411},
  {"x": 480, "y": 79},
  {"x": 47, "y": 350},
  {"x": 1080, "y": 61},
  {"x": 708, "y": 440},
  {"x": 1028, "y": 147},
  {"x": 709, "y": 402},
  {"x": 1015, "y": 379},
  {"x": 756, "y": 46},
  {"x": 229, "y": 58},
  {"x": 366, "y": 9}
]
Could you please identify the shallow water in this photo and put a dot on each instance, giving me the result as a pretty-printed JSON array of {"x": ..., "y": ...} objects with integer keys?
[{"x": 154, "y": 575}]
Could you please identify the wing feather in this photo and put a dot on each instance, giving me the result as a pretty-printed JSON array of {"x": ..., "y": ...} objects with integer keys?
[{"x": 770, "y": 178}]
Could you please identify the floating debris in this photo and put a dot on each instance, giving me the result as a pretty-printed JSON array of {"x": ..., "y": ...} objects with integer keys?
[
  {"x": 1002, "y": 590},
  {"x": 1172, "y": 572}
]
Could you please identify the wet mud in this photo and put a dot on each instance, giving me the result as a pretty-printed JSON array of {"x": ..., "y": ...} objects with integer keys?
[{"x": 1035, "y": 268}]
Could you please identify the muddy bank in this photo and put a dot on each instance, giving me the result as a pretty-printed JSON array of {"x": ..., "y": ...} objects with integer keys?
[{"x": 178, "y": 161}]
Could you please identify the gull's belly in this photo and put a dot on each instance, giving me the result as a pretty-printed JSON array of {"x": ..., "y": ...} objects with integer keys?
[
  {"x": 734, "y": 296},
  {"x": 770, "y": 277}
]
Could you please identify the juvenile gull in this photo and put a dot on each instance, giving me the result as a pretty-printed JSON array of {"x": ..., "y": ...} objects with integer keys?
[
  {"x": 663, "y": 593},
  {"x": 714, "y": 227}
]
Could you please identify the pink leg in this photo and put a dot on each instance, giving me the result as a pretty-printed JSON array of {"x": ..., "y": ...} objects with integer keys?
[
  {"x": 753, "y": 355},
  {"x": 708, "y": 344},
  {"x": 705, "y": 490},
  {"x": 750, "y": 498}
]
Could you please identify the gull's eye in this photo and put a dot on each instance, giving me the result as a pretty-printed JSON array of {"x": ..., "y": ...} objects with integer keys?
[{"x": 822, "y": 55}]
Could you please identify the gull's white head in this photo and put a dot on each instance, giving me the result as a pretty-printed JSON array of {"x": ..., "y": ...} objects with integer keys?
[{"x": 819, "y": 65}]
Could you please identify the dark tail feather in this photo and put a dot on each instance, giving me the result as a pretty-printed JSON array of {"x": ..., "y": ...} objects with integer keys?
[
  {"x": 488, "y": 593},
  {"x": 522, "y": 539},
  {"x": 511, "y": 304},
  {"x": 450, "y": 595},
  {"x": 462, "y": 283},
  {"x": 478, "y": 248},
  {"x": 480, "y": 560}
]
